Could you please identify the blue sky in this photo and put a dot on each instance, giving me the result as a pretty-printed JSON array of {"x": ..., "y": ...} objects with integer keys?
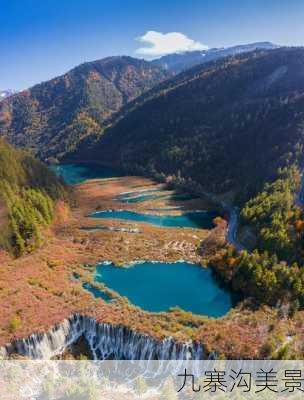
[{"x": 40, "y": 39}]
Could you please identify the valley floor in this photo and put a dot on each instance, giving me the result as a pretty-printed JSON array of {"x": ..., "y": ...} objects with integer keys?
[{"x": 40, "y": 290}]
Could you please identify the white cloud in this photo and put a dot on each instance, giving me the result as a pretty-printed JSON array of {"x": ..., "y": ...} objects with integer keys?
[{"x": 158, "y": 44}]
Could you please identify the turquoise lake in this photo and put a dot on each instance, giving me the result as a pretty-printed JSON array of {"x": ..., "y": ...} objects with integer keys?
[
  {"x": 203, "y": 219},
  {"x": 157, "y": 287},
  {"x": 73, "y": 174}
]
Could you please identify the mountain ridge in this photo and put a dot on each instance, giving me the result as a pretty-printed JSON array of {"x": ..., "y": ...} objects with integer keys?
[
  {"x": 179, "y": 62},
  {"x": 52, "y": 117},
  {"x": 55, "y": 117},
  {"x": 249, "y": 106}
]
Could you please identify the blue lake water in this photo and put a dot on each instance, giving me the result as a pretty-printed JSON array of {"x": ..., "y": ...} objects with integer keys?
[
  {"x": 73, "y": 174},
  {"x": 140, "y": 198},
  {"x": 98, "y": 293},
  {"x": 152, "y": 194},
  {"x": 142, "y": 192},
  {"x": 202, "y": 219},
  {"x": 158, "y": 287}
]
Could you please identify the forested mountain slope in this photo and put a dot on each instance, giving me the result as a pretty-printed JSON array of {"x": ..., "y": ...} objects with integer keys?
[
  {"x": 52, "y": 117},
  {"x": 228, "y": 125},
  {"x": 28, "y": 191}
]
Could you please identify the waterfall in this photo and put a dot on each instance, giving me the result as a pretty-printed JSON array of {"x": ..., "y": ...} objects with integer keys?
[{"x": 106, "y": 341}]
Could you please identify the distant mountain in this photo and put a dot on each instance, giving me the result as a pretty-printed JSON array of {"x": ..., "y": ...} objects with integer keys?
[
  {"x": 52, "y": 117},
  {"x": 180, "y": 62},
  {"x": 5, "y": 93},
  {"x": 227, "y": 125}
]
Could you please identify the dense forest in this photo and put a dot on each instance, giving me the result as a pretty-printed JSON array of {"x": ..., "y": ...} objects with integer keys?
[
  {"x": 28, "y": 190},
  {"x": 261, "y": 277},
  {"x": 228, "y": 125},
  {"x": 53, "y": 117},
  {"x": 274, "y": 272},
  {"x": 276, "y": 219}
]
